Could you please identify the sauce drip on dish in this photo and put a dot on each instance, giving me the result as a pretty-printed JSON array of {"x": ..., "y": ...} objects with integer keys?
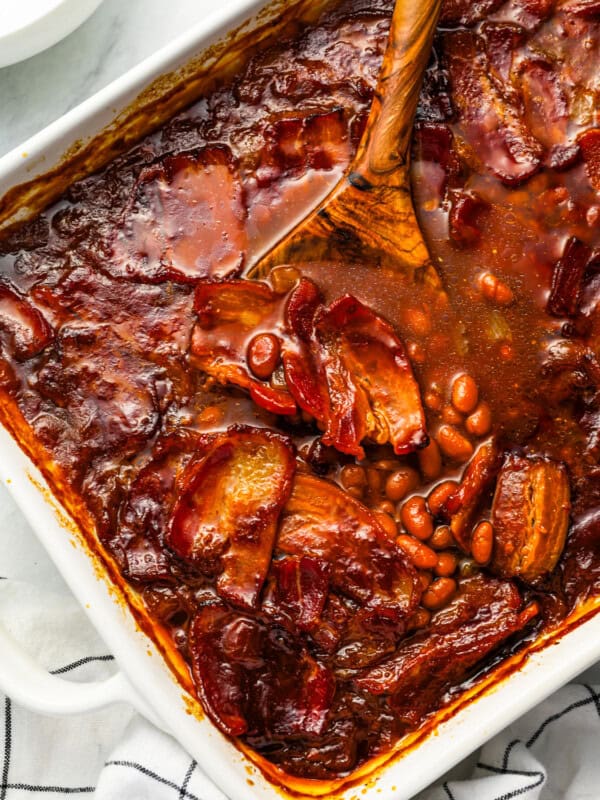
[{"x": 343, "y": 494}]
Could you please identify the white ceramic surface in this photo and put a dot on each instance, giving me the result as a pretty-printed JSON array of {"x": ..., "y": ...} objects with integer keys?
[
  {"x": 161, "y": 696},
  {"x": 29, "y": 26}
]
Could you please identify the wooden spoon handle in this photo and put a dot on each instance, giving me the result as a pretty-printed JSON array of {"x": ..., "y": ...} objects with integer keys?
[{"x": 383, "y": 154}]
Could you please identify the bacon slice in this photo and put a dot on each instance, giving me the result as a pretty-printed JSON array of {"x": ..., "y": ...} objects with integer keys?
[
  {"x": 567, "y": 279},
  {"x": 466, "y": 207},
  {"x": 229, "y": 315},
  {"x": 225, "y": 518},
  {"x": 185, "y": 220},
  {"x": 467, "y": 12},
  {"x": 219, "y": 679},
  {"x": 324, "y": 522},
  {"x": 371, "y": 388},
  {"x": 254, "y": 678},
  {"x": 546, "y": 103},
  {"x": 530, "y": 516},
  {"x": 495, "y": 134},
  {"x": 461, "y": 507},
  {"x": 501, "y": 40},
  {"x": 483, "y": 615},
  {"x": 302, "y": 585},
  {"x": 24, "y": 331},
  {"x": 296, "y": 144},
  {"x": 581, "y": 8},
  {"x": 590, "y": 148},
  {"x": 343, "y": 364}
]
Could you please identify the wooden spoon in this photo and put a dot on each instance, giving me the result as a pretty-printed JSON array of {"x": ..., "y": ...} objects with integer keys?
[{"x": 369, "y": 215}]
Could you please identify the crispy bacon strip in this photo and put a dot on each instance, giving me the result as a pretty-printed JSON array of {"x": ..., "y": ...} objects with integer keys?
[
  {"x": 343, "y": 364},
  {"x": 23, "y": 329},
  {"x": 371, "y": 387},
  {"x": 252, "y": 677},
  {"x": 495, "y": 134},
  {"x": 186, "y": 220},
  {"x": 324, "y": 522},
  {"x": 530, "y": 516},
  {"x": 479, "y": 619},
  {"x": 567, "y": 279},
  {"x": 461, "y": 507},
  {"x": 225, "y": 518}
]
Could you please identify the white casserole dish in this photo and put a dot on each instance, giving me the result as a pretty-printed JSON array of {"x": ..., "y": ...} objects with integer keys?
[{"x": 145, "y": 679}]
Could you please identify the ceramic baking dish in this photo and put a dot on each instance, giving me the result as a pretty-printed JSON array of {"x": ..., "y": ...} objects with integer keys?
[{"x": 130, "y": 106}]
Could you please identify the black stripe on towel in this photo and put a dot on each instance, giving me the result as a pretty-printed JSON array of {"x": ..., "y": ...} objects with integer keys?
[
  {"x": 80, "y": 663},
  {"x": 7, "y": 745},
  {"x": 184, "y": 793}
]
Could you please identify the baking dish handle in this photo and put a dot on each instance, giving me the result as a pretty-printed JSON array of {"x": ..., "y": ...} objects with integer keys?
[{"x": 30, "y": 685}]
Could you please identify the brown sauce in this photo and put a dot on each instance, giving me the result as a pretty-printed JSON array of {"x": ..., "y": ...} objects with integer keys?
[{"x": 341, "y": 509}]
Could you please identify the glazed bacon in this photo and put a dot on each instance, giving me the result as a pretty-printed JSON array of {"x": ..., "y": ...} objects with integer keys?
[
  {"x": 495, "y": 134},
  {"x": 294, "y": 145},
  {"x": 567, "y": 279},
  {"x": 229, "y": 500},
  {"x": 462, "y": 506},
  {"x": 530, "y": 516},
  {"x": 342, "y": 364},
  {"x": 24, "y": 331},
  {"x": 322, "y": 521},
  {"x": 254, "y": 678},
  {"x": 485, "y": 614},
  {"x": 185, "y": 220},
  {"x": 590, "y": 147}
]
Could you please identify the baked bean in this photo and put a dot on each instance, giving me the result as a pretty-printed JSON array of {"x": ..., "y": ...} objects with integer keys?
[
  {"x": 422, "y": 557},
  {"x": 482, "y": 542},
  {"x": 495, "y": 290},
  {"x": 386, "y": 507},
  {"x": 418, "y": 321},
  {"x": 353, "y": 475},
  {"x": 453, "y": 444},
  {"x": 439, "y": 495},
  {"x": 400, "y": 483},
  {"x": 263, "y": 355},
  {"x": 430, "y": 460},
  {"x": 433, "y": 401},
  {"x": 416, "y": 519},
  {"x": 442, "y": 538},
  {"x": 374, "y": 480},
  {"x": 385, "y": 464},
  {"x": 420, "y": 619},
  {"x": 387, "y": 523},
  {"x": 451, "y": 415},
  {"x": 465, "y": 394},
  {"x": 283, "y": 279},
  {"x": 479, "y": 423},
  {"x": 446, "y": 564},
  {"x": 439, "y": 593}
]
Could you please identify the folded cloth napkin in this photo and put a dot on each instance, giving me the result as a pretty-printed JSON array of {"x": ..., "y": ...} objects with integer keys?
[{"x": 114, "y": 754}]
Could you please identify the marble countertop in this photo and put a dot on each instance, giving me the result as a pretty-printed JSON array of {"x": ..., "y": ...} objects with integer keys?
[{"x": 117, "y": 36}]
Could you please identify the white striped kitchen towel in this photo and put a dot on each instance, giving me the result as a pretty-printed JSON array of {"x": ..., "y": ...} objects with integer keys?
[{"x": 550, "y": 754}]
